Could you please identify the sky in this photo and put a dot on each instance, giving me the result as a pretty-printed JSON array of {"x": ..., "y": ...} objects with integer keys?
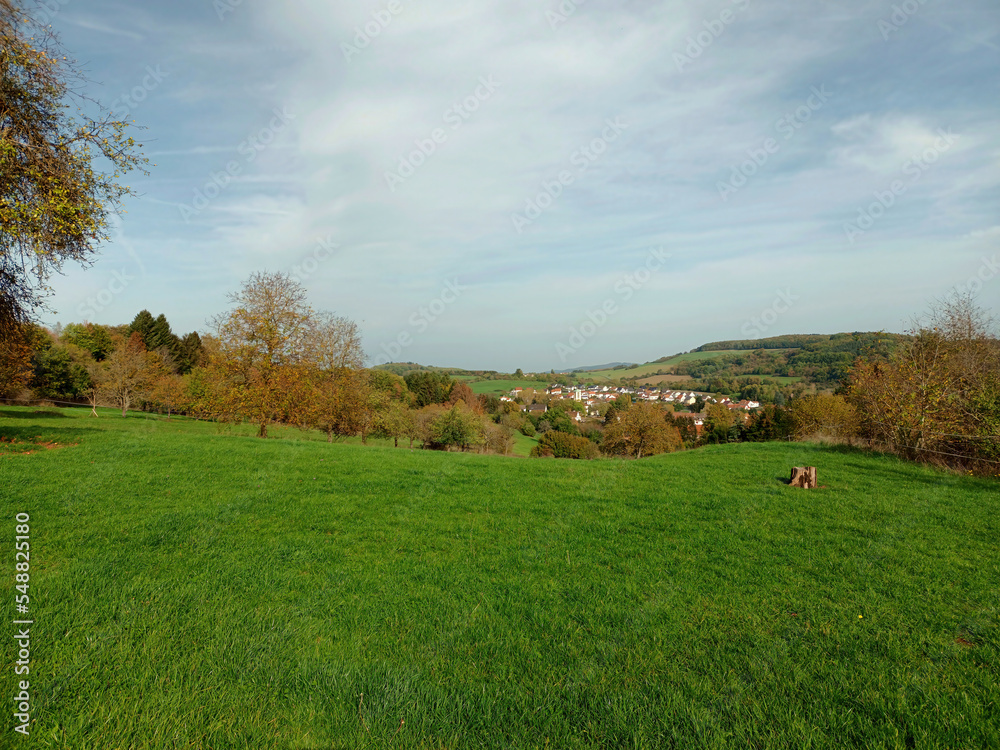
[{"x": 545, "y": 185}]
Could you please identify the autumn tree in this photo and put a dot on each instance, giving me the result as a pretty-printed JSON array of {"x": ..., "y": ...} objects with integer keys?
[
  {"x": 60, "y": 173},
  {"x": 641, "y": 431},
  {"x": 264, "y": 347},
  {"x": 128, "y": 373},
  {"x": 15, "y": 362},
  {"x": 824, "y": 414},
  {"x": 395, "y": 421},
  {"x": 936, "y": 396},
  {"x": 339, "y": 392}
]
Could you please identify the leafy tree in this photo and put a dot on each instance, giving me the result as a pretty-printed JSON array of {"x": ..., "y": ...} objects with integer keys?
[
  {"x": 15, "y": 361},
  {"x": 824, "y": 414},
  {"x": 340, "y": 399},
  {"x": 642, "y": 431},
  {"x": 720, "y": 422},
  {"x": 55, "y": 200},
  {"x": 458, "y": 427},
  {"x": 96, "y": 339},
  {"x": 263, "y": 348},
  {"x": 168, "y": 391},
  {"x": 770, "y": 422},
  {"x": 497, "y": 438},
  {"x": 57, "y": 374},
  {"x": 462, "y": 392},
  {"x": 128, "y": 373},
  {"x": 936, "y": 397},
  {"x": 561, "y": 445},
  {"x": 428, "y": 387},
  {"x": 394, "y": 421}
]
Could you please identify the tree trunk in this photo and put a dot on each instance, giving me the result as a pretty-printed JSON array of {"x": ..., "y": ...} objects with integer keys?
[
  {"x": 804, "y": 477},
  {"x": 262, "y": 433},
  {"x": 329, "y": 435},
  {"x": 395, "y": 440}
]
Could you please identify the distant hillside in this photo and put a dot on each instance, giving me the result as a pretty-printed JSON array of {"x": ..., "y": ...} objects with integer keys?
[
  {"x": 789, "y": 341},
  {"x": 402, "y": 368},
  {"x": 592, "y": 368},
  {"x": 821, "y": 359}
]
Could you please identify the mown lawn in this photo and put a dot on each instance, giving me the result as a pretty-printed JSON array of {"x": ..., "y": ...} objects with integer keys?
[
  {"x": 503, "y": 387},
  {"x": 192, "y": 589}
]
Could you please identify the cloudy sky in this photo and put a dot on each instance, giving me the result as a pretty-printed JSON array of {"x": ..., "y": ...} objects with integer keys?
[{"x": 550, "y": 184}]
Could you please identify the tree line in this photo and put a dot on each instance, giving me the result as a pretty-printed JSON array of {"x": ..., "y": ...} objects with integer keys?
[{"x": 933, "y": 395}]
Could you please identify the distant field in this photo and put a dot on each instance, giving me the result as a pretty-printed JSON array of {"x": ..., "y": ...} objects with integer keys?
[
  {"x": 194, "y": 589},
  {"x": 702, "y": 355},
  {"x": 499, "y": 387}
]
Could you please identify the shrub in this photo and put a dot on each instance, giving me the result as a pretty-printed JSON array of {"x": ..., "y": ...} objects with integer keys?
[{"x": 562, "y": 445}]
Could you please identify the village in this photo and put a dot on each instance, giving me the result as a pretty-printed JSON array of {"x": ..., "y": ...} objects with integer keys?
[{"x": 595, "y": 399}]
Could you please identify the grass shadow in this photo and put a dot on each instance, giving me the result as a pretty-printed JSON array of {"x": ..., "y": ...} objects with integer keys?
[
  {"x": 44, "y": 414},
  {"x": 36, "y": 435}
]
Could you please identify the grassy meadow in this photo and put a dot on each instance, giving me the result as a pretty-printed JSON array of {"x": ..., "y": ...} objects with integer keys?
[
  {"x": 503, "y": 387},
  {"x": 199, "y": 588}
]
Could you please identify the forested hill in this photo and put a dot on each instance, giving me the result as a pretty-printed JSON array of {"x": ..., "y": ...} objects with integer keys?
[
  {"x": 841, "y": 342},
  {"x": 821, "y": 359}
]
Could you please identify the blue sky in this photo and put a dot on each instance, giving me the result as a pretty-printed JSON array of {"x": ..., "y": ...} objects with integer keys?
[{"x": 550, "y": 184}]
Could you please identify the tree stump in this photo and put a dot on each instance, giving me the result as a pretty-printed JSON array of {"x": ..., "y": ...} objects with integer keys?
[{"x": 804, "y": 477}]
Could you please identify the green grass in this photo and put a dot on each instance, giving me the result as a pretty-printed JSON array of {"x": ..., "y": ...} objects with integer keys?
[
  {"x": 192, "y": 589},
  {"x": 503, "y": 387},
  {"x": 523, "y": 444}
]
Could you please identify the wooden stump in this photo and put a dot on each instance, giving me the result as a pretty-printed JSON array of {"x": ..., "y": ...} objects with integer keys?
[{"x": 804, "y": 477}]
